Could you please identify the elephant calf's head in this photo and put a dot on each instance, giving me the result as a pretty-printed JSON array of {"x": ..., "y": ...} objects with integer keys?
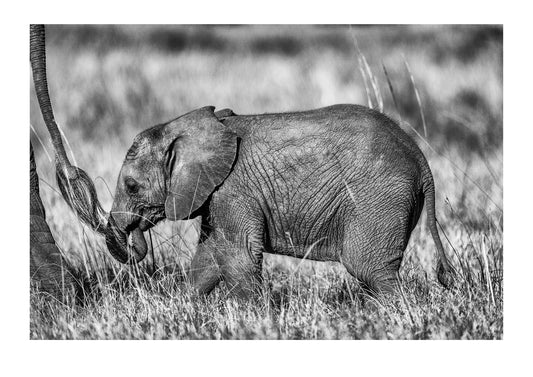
[{"x": 169, "y": 172}]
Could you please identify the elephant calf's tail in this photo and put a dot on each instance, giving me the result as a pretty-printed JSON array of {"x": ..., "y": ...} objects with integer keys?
[{"x": 445, "y": 272}]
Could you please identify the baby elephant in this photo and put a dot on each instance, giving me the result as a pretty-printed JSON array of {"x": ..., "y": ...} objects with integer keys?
[{"x": 342, "y": 183}]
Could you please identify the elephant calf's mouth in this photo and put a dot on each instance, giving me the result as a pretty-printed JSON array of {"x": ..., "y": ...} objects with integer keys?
[{"x": 150, "y": 219}]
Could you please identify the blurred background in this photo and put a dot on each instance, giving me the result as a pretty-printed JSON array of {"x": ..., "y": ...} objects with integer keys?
[{"x": 108, "y": 83}]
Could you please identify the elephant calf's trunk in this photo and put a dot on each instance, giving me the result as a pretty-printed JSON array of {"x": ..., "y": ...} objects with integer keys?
[{"x": 118, "y": 245}]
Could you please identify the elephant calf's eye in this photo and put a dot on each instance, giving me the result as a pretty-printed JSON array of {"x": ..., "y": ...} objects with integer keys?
[{"x": 131, "y": 185}]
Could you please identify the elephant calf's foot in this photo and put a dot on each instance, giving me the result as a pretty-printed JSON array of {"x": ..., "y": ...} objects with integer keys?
[
  {"x": 245, "y": 285},
  {"x": 379, "y": 285}
]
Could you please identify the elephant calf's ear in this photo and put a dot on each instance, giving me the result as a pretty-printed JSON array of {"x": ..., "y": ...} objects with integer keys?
[{"x": 198, "y": 160}]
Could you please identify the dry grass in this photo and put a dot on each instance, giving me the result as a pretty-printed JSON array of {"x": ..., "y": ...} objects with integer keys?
[{"x": 109, "y": 84}]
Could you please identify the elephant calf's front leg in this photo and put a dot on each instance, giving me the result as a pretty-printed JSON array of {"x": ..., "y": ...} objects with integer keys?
[
  {"x": 241, "y": 270},
  {"x": 204, "y": 273}
]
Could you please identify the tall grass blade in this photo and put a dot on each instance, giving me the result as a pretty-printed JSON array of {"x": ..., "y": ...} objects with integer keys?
[
  {"x": 152, "y": 250},
  {"x": 487, "y": 270},
  {"x": 404, "y": 299},
  {"x": 391, "y": 89},
  {"x": 308, "y": 251},
  {"x": 374, "y": 82},
  {"x": 68, "y": 145},
  {"x": 358, "y": 56},
  {"x": 106, "y": 186},
  {"x": 417, "y": 95},
  {"x": 41, "y": 142}
]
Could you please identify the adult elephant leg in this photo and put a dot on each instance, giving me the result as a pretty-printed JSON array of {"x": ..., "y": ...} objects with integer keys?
[
  {"x": 48, "y": 269},
  {"x": 205, "y": 273}
]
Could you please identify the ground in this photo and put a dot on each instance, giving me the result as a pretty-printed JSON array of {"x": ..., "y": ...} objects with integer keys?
[{"x": 109, "y": 83}]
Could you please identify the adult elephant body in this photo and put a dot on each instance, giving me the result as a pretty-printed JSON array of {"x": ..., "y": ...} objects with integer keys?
[{"x": 342, "y": 183}]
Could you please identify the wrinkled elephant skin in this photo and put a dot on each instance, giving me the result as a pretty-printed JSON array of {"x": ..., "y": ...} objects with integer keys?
[
  {"x": 343, "y": 183},
  {"x": 48, "y": 270}
]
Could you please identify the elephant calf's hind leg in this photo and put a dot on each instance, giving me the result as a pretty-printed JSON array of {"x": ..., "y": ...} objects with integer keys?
[{"x": 376, "y": 270}]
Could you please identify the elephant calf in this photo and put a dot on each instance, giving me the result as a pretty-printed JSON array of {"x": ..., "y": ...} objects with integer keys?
[{"x": 342, "y": 183}]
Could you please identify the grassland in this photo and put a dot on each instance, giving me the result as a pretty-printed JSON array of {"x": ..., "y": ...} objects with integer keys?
[{"x": 109, "y": 83}]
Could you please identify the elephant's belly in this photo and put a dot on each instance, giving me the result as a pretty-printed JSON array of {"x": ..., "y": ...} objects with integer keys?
[
  {"x": 312, "y": 232},
  {"x": 320, "y": 249}
]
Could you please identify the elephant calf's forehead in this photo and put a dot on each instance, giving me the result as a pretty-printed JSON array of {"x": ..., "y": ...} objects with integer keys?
[
  {"x": 145, "y": 143},
  {"x": 135, "y": 149},
  {"x": 141, "y": 146},
  {"x": 147, "y": 139}
]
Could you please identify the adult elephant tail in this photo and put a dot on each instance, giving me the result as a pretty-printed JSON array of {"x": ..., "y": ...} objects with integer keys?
[
  {"x": 76, "y": 187},
  {"x": 445, "y": 272}
]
